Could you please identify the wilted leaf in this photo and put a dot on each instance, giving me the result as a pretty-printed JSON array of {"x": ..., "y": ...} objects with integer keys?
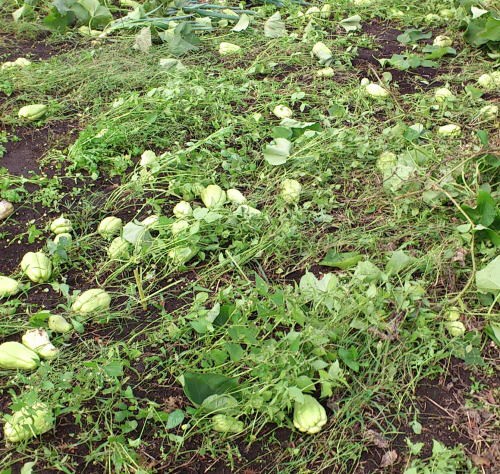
[
  {"x": 277, "y": 153},
  {"x": 412, "y": 36},
  {"x": 274, "y": 27},
  {"x": 342, "y": 260},
  {"x": 480, "y": 460},
  {"x": 376, "y": 439},
  {"x": 28, "y": 468},
  {"x": 143, "y": 40},
  {"x": 172, "y": 64},
  {"x": 242, "y": 24},
  {"x": 351, "y": 24},
  {"x": 437, "y": 52}
]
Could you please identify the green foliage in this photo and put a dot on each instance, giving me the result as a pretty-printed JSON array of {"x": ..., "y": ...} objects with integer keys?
[
  {"x": 65, "y": 13},
  {"x": 338, "y": 290}
]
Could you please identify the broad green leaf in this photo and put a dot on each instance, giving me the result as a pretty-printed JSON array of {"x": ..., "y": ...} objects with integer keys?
[
  {"x": 274, "y": 27},
  {"x": 483, "y": 30},
  {"x": 368, "y": 272},
  {"x": 182, "y": 39},
  {"x": 57, "y": 21},
  {"x": 312, "y": 287},
  {"x": 175, "y": 418},
  {"x": 493, "y": 331},
  {"x": 349, "y": 357},
  {"x": 299, "y": 128},
  {"x": 200, "y": 213},
  {"x": 220, "y": 403},
  {"x": 282, "y": 132},
  {"x": 92, "y": 6},
  {"x": 198, "y": 387},
  {"x": 412, "y": 36},
  {"x": 488, "y": 279},
  {"x": 136, "y": 234},
  {"x": 341, "y": 260},
  {"x": 234, "y": 350},
  {"x": 485, "y": 212},
  {"x": 114, "y": 368},
  {"x": 437, "y": 52},
  {"x": 63, "y": 6},
  {"x": 277, "y": 152},
  {"x": 399, "y": 261},
  {"x": 295, "y": 394},
  {"x": 97, "y": 14}
]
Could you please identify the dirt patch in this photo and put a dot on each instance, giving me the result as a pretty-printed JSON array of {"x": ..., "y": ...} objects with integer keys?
[
  {"x": 444, "y": 416},
  {"x": 12, "y": 48},
  {"x": 13, "y": 248},
  {"x": 26, "y": 146},
  {"x": 24, "y": 151},
  {"x": 367, "y": 64}
]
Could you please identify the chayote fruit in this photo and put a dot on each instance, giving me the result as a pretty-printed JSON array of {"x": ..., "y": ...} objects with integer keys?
[
  {"x": 91, "y": 301},
  {"x": 309, "y": 416},
  {"x": 37, "y": 267}
]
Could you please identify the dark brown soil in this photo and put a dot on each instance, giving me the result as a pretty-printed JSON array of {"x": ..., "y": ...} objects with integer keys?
[
  {"x": 12, "y": 48},
  {"x": 27, "y": 145},
  {"x": 367, "y": 64},
  {"x": 24, "y": 150},
  {"x": 442, "y": 412}
]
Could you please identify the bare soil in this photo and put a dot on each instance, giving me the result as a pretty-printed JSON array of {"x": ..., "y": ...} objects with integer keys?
[
  {"x": 12, "y": 48},
  {"x": 367, "y": 64}
]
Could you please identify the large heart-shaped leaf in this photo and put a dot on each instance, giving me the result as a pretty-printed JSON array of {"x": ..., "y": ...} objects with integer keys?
[
  {"x": 198, "y": 387},
  {"x": 488, "y": 279}
]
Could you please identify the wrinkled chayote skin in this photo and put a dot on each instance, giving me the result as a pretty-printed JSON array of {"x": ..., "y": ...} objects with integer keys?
[
  {"x": 37, "y": 267},
  {"x": 92, "y": 301},
  {"x": 310, "y": 416},
  {"x": 32, "y": 112},
  {"x": 61, "y": 225},
  {"x": 118, "y": 249},
  {"x": 8, "y": 286},
  {"x": 28, "y": 422},
  {"x": 110, "y": 226},
  {"x": 227, "y": 424}
]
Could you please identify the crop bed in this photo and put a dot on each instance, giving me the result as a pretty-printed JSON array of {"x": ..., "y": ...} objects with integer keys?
[{"x": 256, "y": 237}]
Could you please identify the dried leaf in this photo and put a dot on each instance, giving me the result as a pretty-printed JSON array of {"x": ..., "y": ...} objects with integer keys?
[
  {"x": 480, "y": 460},
  {"x": 274, "y": 27},
  {"x": 389, "y": 458},
  {"x": 376, "y": 439},
  {"x": 143, "y": 40}
]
